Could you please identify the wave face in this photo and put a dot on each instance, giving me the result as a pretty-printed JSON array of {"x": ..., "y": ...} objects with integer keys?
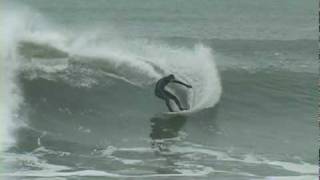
[
  {"x": 43, "y": 53},
  {"x": 79, "y": 102},
  {"x": 87, "y": 62}
]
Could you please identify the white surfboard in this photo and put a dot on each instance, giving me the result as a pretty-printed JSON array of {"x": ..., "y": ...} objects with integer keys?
[{"x": 184, "y": 112}]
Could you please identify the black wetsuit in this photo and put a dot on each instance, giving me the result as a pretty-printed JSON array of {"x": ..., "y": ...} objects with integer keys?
[{"x": 162, "y": 93}]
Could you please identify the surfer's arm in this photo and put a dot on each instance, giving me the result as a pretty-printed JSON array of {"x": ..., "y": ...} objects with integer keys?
[{"x": 179, "y": 82}]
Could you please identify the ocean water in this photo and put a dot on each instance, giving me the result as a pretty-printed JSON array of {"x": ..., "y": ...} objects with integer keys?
[{"x": 78, "y": 76}]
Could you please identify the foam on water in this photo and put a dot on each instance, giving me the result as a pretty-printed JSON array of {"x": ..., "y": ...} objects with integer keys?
[
  {"x": 194, "y": 152},
  {"x": 291, "y": 178},
  {"x": 187, "y": 165},
  {"x": 303, "y": 168}
]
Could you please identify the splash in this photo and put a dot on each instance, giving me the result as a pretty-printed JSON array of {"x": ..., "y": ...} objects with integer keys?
[
  {"x": 19, "y": 23},
  {"x": 9, "y": 91},
  {"x": 142, "y": 62}
]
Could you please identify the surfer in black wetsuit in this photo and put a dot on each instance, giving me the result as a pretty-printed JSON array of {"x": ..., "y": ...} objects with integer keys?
[{"x": 162, "y": 93}]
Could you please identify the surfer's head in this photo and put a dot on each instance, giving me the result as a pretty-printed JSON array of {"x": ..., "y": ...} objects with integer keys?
[{"x": 171, "y": 76}]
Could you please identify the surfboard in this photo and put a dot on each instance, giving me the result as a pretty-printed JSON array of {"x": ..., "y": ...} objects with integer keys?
[{"x": 184, "y": 112}]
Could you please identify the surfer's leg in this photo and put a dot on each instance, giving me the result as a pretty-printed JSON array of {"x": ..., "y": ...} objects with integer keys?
[
  {"x": 163, "y": 95},
  {"x": 168, "y": 104},
  {"x": 175, "y": 99}
]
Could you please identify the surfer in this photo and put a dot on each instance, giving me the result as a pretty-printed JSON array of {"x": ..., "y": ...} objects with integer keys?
[{"x": 162, "y": 93}]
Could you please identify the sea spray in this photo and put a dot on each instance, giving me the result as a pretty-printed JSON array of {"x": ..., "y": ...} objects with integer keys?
[
  {"x": 21, "y": 24},
  {"x": 143, "y": 62},
  {"x": 10, "y": 94}
]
